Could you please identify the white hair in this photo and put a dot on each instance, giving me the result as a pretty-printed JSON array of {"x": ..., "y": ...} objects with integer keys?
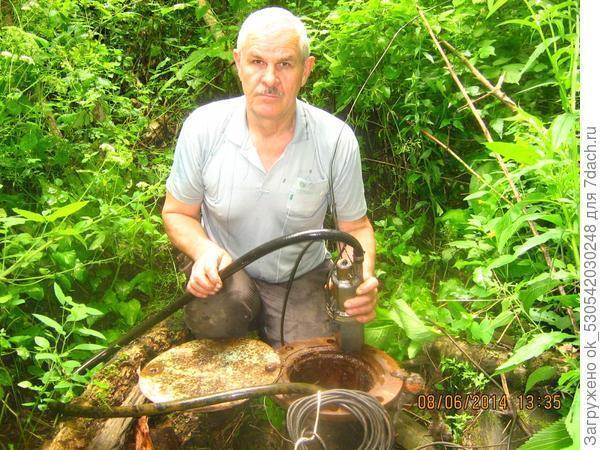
[{"x": 267, "y": 19}]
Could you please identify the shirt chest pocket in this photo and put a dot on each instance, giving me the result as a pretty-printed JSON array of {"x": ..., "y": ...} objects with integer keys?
[{"x": 306, "y": 198}]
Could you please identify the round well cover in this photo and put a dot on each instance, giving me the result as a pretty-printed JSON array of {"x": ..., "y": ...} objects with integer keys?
[{"x": 207, "y": 366}]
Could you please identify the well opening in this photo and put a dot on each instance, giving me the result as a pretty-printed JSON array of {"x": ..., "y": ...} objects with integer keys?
[{"x": 332, "y": 370}]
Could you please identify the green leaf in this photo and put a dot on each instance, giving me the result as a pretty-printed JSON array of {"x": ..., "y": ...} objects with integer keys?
[
  {"x": 62, "y": 298},
  {"x": 380, "y": 336},
  {"x": 88, "y": 347},
  {"x": 413, "y": 349},
  {"x": 510, "y": 223},
  {"x": 512, "y": 73},
  {"x": 429, "y": 57},
  {"x": 572, "y": 422},
  {"x": 65, "y": 260},
  {"x": 406, "y": 319},
  {"x": 562, "y": 129},
  {"x": 80, "y": 312},
  {"x": 413, "y": 259},
  {"x": 71, "y": 364},
  {"x": 66, "y": 211},
  {"x": 497, "y": 125},
  {"x": 550, "y": 317},
  {"x": 47, "y": 357},
  {"x": 503, "y": 319},
  {"x": 41, "y": 342},
  {"x": 522, "y": 153},
  {"x": 494, "y": 6},
  {"x": 6, "y": 298},
  {"x": 130, "y": 311},
  {"x": 475, "y": 195},
  {"x": 144, "y": 281},
  {"x": 77, "y": 312},
  {"x": 535, "y": 347},
  {"x": 61, "y": 385},
  {"x": 553, "y": 437},
  {"x": 35, "y": 292},
  {"x": 538, "y": 375},
  {"x": 22, "y": 353},
  {"x": 486, "y": 51},
  {"x": 534, "y": 241},
  {"x": 541, "y": 48},
  {"x": 12, "y": 221},
  {"x": 508, "y": 230},
  {"x": 5, "y": 378},
  {"x": 98, "y": 241},
  {"x": 501, "y": 261},
  {"x": 29, "y": 215},
  {"x": 535, "y": 291},
  {"x": 49, "y": 322},
  {"x": 463, "y": 244},
  {"x": 123, "y": 288},
  {"x": 483, "y": 331},
  {"x": 201, "y": 11},
  {"x": 176, "y": 7},
  {"x": 521, "y": 22},
  {"x": 89, "y": 332}
]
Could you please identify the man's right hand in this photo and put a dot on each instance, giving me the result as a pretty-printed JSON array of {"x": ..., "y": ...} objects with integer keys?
[{"x": 204, "y": 279}]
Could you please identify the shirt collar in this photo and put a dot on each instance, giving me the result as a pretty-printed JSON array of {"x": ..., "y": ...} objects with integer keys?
[{"x": 237, "y": 130}]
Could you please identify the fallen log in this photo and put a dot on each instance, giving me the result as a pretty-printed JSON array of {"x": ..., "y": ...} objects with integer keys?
[
  {"x": 487, "y": 358},
  {"x": 113, "y": 384}
]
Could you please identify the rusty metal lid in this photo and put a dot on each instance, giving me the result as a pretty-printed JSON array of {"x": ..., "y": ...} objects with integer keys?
[{"x": 207, "y": 366}]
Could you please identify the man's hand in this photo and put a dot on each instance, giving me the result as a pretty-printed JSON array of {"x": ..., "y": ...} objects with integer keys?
[
  {"x": 362, "y": 307},
  {"x": 204, "y": 279}
]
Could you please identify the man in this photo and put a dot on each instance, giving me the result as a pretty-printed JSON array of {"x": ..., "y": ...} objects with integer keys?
[{"x": 258, "y": 167}]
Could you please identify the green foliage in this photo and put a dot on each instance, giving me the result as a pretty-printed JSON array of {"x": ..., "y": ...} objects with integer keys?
[
  {"x": 81, "y": 176},
  {"x": 460, "y": 377},
  {"x": 554, "y": 437},
  {"x": 535, "y": 347},
  {"x": 275, "y": 414},
  {"x": 458, "y": 423},
  {"x": 471, "y": 263},
  {"x": 538, "y": 375}
]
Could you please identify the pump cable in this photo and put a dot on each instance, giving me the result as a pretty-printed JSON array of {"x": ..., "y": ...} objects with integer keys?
[{"x": 378, "y": 432}]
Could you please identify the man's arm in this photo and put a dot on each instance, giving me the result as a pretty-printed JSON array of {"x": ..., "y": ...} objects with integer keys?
[
  {"x": 363, "y": 305},
  {"x": 187, "y": 234}
]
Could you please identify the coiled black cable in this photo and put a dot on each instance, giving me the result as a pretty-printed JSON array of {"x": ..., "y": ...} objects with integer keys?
[{"x": 372, "y": 416}]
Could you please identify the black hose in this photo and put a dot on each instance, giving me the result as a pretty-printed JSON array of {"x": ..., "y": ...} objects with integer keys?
[
  {"x": 238, "y": 264},
  {"x": 153, "y": 409}
]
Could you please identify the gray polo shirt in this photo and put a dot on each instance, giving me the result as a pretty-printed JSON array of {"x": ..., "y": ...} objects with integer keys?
[{"x": 243, "y": 206}]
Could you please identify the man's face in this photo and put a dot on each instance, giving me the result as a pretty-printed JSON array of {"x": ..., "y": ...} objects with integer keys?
[{"x": 272, "y": 71}]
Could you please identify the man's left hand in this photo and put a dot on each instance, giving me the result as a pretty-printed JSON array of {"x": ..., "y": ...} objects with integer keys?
[{"x": 362, "y": 307}]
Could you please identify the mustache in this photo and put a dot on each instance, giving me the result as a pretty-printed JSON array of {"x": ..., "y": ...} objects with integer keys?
[{"x": 272, "y": 91}]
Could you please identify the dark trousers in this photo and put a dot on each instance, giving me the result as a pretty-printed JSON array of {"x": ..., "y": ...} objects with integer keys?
[{"x": 244, "y": 304}]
